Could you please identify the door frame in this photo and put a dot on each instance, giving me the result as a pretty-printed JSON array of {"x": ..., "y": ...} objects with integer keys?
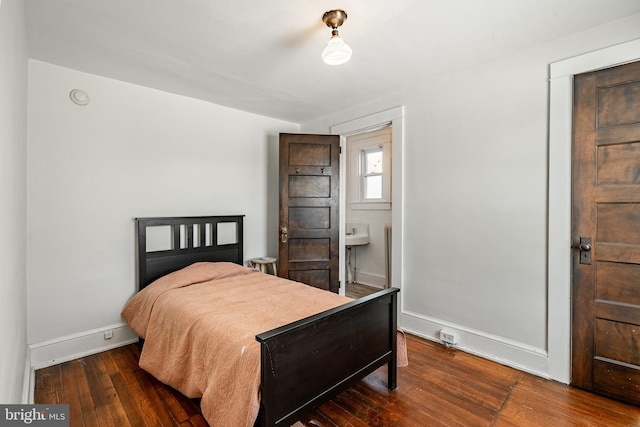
[
  {"x": 559, "y": 204},
  {"x": 395, "y": 118}
]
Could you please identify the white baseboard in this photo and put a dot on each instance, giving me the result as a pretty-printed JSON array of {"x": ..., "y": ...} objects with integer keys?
[
  {"x": 506, "y": 352},
  {"x": 78, "y": 345},
  {"x": 371, "y": 280}
]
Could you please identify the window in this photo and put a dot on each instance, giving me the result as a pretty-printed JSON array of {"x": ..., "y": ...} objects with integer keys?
[
  {"x": 369, "y": 170},
  {"x": 372, "y": 173}
]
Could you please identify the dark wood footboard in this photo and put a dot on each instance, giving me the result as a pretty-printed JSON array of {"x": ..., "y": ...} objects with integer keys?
[{"x": 307, "y": 362}]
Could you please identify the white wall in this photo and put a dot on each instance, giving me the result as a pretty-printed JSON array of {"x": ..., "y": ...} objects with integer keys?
[
  {"x": 13, "y": 208},
  {"x": 475, "y": 198},
  {"x": 132, "y": 152}
]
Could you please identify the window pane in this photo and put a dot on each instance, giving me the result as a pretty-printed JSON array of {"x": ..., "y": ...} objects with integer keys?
[
  {"x": 373, "y": 162},
  {"x": 373, "y": 187}
]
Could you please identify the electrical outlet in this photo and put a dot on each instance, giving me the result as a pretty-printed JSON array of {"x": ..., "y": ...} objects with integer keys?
[
  {"x": 448, "y": 337},
  {"x": 108, "y": 334}
]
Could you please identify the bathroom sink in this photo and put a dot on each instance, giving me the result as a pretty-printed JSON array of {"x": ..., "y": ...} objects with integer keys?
[
  {"x": 356, "y": 239},
  {"x": 357, "y": 234}
]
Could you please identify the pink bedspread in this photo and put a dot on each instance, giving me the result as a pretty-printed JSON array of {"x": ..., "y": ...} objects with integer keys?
[{"x": 200, "y": 324}]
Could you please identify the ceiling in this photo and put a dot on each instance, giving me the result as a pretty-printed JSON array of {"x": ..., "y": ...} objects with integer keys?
[{"x": 264, "y": 56}]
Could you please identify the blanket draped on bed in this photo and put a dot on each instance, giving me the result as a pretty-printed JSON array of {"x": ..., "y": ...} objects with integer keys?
[{"x": 199, "y": 326}]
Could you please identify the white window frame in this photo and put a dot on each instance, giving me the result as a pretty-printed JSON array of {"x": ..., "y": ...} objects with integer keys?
[
  {"x": 357, "y": 150},
  {"x": 364, "y": 155}
]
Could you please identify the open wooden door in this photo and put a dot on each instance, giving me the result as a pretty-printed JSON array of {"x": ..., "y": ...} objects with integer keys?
[
  {"x": 606, "y": 233},
  {"x": 309, "y": 209}
]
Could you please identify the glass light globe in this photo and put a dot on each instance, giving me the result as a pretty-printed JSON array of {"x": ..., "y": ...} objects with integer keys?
[{"x": 337, "y": 51}]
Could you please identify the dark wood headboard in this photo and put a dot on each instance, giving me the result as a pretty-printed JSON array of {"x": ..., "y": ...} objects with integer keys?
[{"x": 189, "y": 240}]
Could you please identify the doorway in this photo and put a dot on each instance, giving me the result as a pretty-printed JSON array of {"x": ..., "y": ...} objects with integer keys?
[
  {"x": 368, "y": 158},
  {"x": 392, "y": 118}
]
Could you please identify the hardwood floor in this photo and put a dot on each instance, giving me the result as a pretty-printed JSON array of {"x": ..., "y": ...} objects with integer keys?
[
  {"x": 440, "y": 387},
  {"x": 358, "y": 290}
]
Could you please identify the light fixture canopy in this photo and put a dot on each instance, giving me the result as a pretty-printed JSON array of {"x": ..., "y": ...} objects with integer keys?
[{"x": 337, "y": 51}]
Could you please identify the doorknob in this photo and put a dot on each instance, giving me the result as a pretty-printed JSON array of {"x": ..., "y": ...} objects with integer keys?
[
  {"x": 284, "y": 234},
  {"x": 585, "y": 250}
]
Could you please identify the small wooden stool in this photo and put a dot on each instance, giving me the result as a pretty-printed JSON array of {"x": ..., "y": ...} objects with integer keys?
[{"x": 262, "y": 263}]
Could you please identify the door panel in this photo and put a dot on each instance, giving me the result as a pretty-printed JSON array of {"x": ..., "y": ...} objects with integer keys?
[
  {"x": 615, "y": 282},
  {"x": 606, "y": 208},
  {"x": 316, "y": 278},
  {"x": 619, "y": 104},
  {"x": 616, "y": 380},
  {"x": 309, "y": 249},
  {"x": 310, "y": 218},
  {"x": 610, "y": 337},
  {"x": 617, "y": 164},
  {"x": 309, "y": 186},
  {"x": 617, "y": 223},
  {"x": 309, "y": 209}
]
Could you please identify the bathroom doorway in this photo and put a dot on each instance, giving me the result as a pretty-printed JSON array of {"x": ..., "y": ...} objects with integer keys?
[
  {"x": 368, "y": 202},
  {"x": 393, "y": 118}
]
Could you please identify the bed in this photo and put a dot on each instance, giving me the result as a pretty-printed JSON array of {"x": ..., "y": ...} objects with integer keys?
[{"x": 298, "y": 365}]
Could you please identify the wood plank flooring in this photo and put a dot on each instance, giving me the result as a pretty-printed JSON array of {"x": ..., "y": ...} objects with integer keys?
[
  {"x": 440, "y": 387},
  {"x": 358, "y": 290}
]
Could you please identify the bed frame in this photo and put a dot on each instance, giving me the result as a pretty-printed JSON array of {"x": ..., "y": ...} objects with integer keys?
[{"x": 304, "y": 363}]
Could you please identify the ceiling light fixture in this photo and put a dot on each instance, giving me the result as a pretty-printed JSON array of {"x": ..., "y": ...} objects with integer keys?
[{"x": 337, "y": 51}]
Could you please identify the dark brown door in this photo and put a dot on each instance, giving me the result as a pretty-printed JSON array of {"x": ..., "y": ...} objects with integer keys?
[
  {"x": 606, "y": 210},
  {"x": 309, "y": 209}
]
